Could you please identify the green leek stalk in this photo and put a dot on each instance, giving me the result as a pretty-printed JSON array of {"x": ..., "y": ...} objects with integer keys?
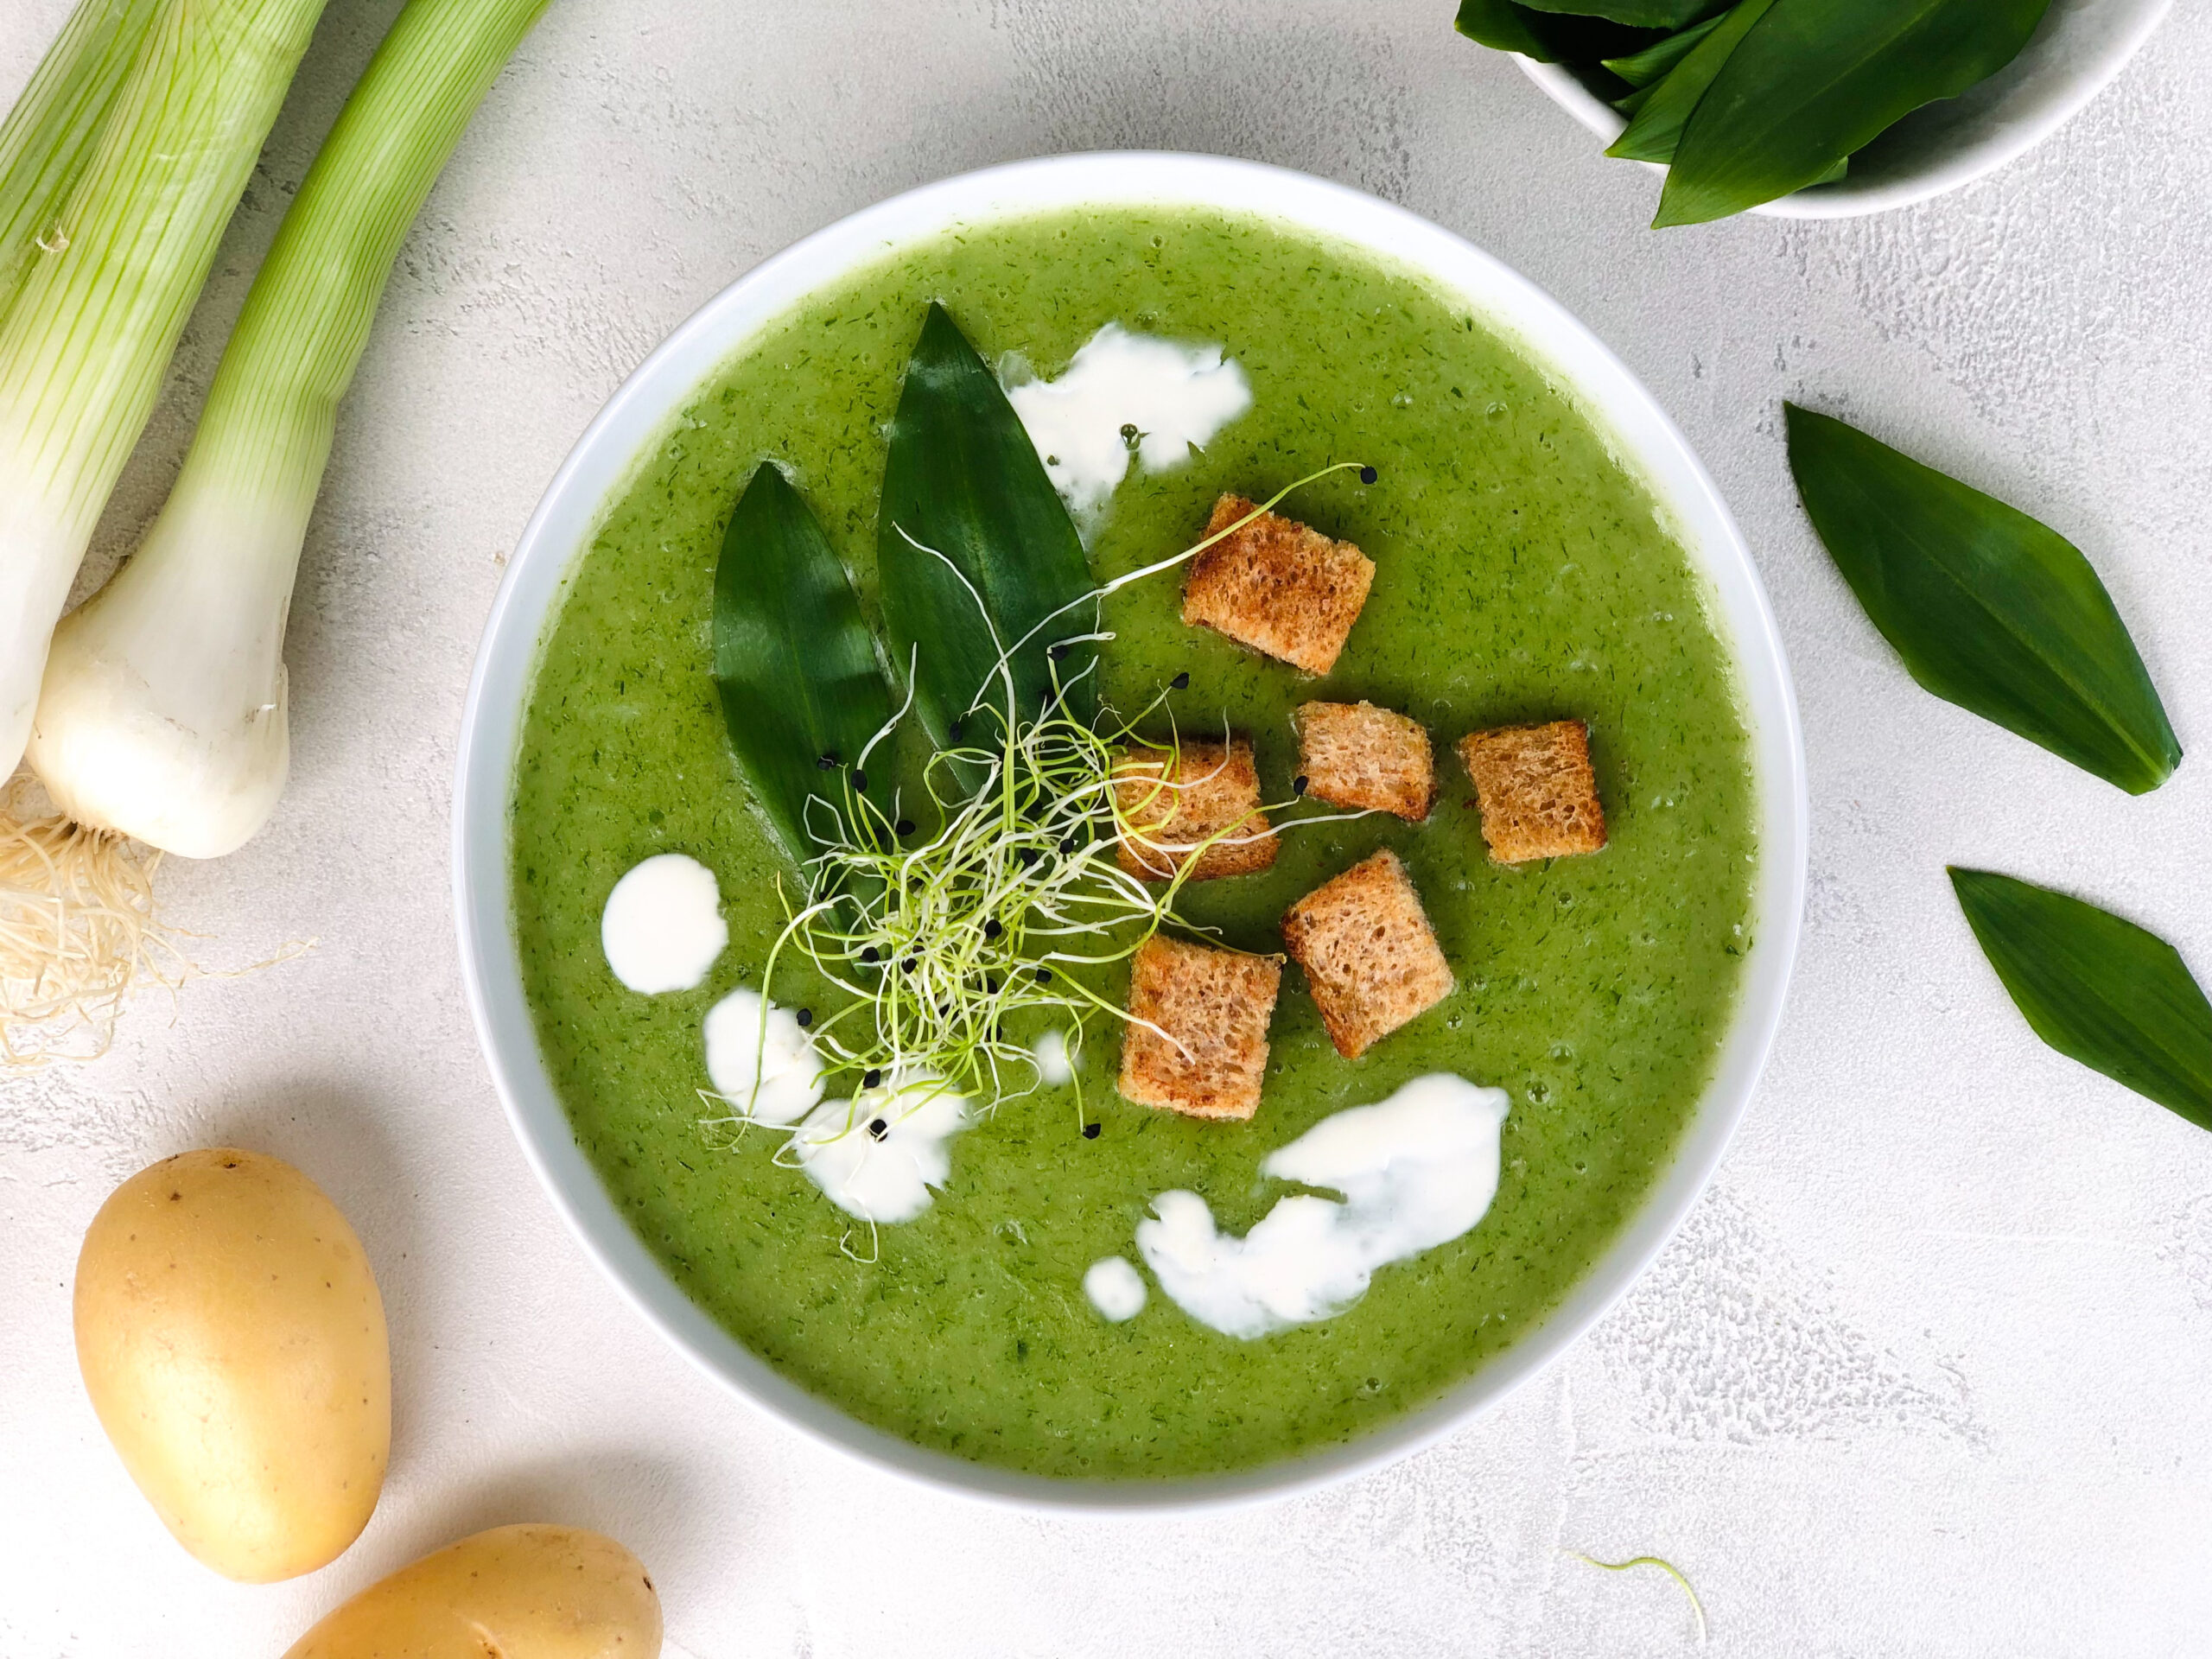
[
  {"x": 163, "y": 714},
  {"x": 88, "y": 337},
  {"x": 48, "y": 137}
]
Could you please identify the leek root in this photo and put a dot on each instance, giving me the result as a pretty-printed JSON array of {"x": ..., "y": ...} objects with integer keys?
[{"x": 163, "y": 713}]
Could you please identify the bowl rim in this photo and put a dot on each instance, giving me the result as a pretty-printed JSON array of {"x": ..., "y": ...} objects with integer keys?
[
  {"x": 614, "y": 445},
  {"x": 2048, "y": 105}
]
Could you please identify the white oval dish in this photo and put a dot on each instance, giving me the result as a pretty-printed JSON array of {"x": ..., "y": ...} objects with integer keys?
[
  {"x": 2076, "y": 51},
  {"x": 604, "y": 458}
]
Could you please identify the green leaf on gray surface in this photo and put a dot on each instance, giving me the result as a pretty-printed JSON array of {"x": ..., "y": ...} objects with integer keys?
[
  {"x": 2097, "y": 988},
  {"x": 1989, "y": 609},
  {"x": 1649, "y": 66},
  {"x": 1632, "y": 14},
  {"x": 1811, "y": 81},
  {"x": 794, "y": 661}
]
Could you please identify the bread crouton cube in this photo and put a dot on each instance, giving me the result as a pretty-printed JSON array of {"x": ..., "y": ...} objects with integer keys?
[
  {"x": 1172, "y": 804},
  {"x": 1536, "y": 789},
  {"x": 1278, "y": 587},
  {"x": 1370, "y": 955},
  {"x": 1355, "y": 755},
  {"x": 1214, "y": 1007}
]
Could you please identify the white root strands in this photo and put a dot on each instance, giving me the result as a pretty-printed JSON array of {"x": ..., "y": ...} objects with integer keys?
[
  {"x": 77, "y": 933},
  {"x": 80, "y": 930}
]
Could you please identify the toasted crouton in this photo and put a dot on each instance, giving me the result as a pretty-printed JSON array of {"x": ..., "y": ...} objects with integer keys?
[
  {"x": 1538, "y": 795},
  {"x": 1215, "y": 1005},
  {"x": 1369, "y": 955},
  {"x": 1356, "y": 755},
  {"x": 1277, "y": 587},
  {"x": 1173, "y": 802}
]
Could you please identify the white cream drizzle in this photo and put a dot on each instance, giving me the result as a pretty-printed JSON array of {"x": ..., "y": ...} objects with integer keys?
[
  {"x": 662, "y": 925},
  {"x": 1416, "y": 1171},
  {"x": 1176, "y": 396},
  {"x": 1115, "y": 1289},
  {"x": 1055, "y": 1066},
  {"x": 878, "y": 1154},
  {"x": 781, "y": 1059}
]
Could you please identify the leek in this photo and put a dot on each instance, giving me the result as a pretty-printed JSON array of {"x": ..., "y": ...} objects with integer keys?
[
  {"x": 49, "y": 135},
  {"x": 86, "y": 340},
  {"x": 163, "y": 714}
]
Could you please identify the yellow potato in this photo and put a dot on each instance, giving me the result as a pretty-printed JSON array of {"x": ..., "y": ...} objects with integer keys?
[
  {"x": 518, "y": 1592},
  {"x": 231, "y": 1339}
]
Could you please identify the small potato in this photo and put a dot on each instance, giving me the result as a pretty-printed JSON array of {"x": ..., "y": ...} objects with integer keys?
[
  {"x": 232, "y": 1340},
  {"x": 515, "y": 1592}
]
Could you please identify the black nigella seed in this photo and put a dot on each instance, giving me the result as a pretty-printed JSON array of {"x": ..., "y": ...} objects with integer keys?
[
  {"x": 991, "y": 928},
  {"x": 869, "y": 953},
  {"x": 879, "y": 1128},
  {"x": 952, "y": 730},
  {"x": 1044, "y": 975},
  {"x": 1181, "y": 681},
  {"x": 907, "y": 966},
  {"x": 1367, "y": 475},
  {"x": 905, "y": 826},
  {"x": 1058, "y": 653},
  {"x": 1090, "y": 1131},
  {"x": 806, "y": 1016},
  {"x": 1298, "y": 784},
  {"x": 860, "y": 780},
  {"x": 828, "y": 762},
  {"x": 1028, "y": 855},
  {"x": 871, "y": 1080},
  {"x": 1067, "y": 846}
]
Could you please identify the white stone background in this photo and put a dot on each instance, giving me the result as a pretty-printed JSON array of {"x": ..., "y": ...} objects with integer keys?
[{"x": 1926, "y": 1372}]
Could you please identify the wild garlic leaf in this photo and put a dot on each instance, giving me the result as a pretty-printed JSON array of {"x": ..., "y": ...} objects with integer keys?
[
  {"x": 1634, "y": 14},
  {"x": 1989, "y": 609},
  {"x": 972, "y": 540},
  {"x": 2097, "y": 988},
  {"x": 1649, "y": 66},
  {"x": 794, "y": 661},
  {"x": 1546, "y": 36},
  {"x": 1657, "y": 128},
  {"x": 1813, "y": 80}
]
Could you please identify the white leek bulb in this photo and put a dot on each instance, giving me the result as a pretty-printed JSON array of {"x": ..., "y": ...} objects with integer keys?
[{"x": 164, "y": 712}]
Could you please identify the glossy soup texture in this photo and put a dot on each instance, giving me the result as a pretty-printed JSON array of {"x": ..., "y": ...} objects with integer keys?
[{"x": 1522, "y": 574}]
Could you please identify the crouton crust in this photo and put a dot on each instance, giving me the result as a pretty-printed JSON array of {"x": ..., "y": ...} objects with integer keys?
[
  {"x": 1356, "y": 755},
  {"x": 1217, "y": 1005},
  {"x": 1173, "y": 800},
  {"x": 1277, "y": 587},
  {"x": 1371, "y": 958},
  {"x": 1536, "y": 791}
]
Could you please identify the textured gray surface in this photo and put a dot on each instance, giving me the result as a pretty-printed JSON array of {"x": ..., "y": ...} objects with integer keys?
[{"x": 1924, "y": 1374}]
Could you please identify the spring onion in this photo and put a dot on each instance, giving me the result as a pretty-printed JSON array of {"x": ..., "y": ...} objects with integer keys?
[
  {"x": 88, "y": 337},
  {"x": 163, "y": 714}
]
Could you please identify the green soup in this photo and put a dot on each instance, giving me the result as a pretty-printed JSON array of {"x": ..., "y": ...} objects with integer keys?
[{"x": 1522, "y": 574}]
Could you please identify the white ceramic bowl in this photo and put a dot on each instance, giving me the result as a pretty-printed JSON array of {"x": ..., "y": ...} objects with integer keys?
[
  {"x": 603, "y": 459},
  {"x": 2078, "y": 47}
]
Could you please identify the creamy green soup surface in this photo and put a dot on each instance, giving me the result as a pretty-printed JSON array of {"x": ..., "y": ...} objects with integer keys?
[{"x": 1522, "y": 574}]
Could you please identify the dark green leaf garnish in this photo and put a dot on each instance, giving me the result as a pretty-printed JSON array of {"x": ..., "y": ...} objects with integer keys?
[
  {"x": 1548, "y": 37},
  {"x": 1632, "y": 14},
  {"x": 1989, "y": 609},
  {"x": 2097, "y": 988},
  {"x": 963, "y": 480},
  {"x": 1657, "y": 128},
  {"x": 1652, "y": 64},
  {"x": 794, "y": 662},
  {"x": 1813, "y": 80}
]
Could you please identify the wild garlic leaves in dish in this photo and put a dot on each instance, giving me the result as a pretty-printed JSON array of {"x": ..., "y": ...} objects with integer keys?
[
  {"x": 2097, "y": 988},
  {"x": 1747, "y": 103},
  {"x": 1989, "y": 609},
  {"x": 802, "y": 693},
  {"x": 1813, "y": 81}
]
